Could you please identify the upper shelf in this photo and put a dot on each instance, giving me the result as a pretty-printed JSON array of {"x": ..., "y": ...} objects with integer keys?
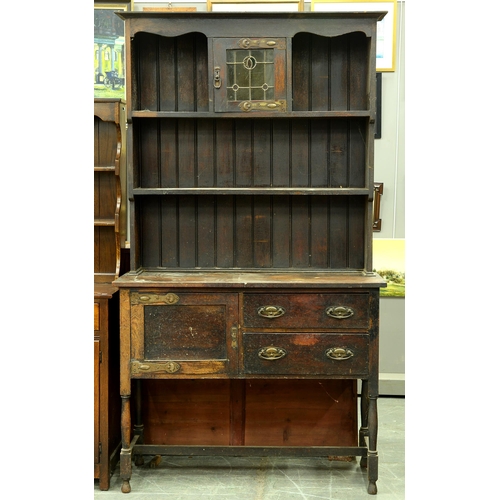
[{"x": 192, "y": 75}]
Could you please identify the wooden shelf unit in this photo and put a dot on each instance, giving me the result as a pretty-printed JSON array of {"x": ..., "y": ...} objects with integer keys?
[
  {"x": 251, "y": 191},
  {"x": 109, "y": 115}
]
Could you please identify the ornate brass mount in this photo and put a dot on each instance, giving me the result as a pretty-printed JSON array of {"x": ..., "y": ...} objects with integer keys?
[
  {"x": 339, "y": 353},
  {"x": 167, "y": 298},
  {"x": 136, "y": 367},
  {"x": 261, "y": 43},
  {"x": 263, "y": 105},
  {"x": 271, "y": 312},
  {"x": 339, "y": 312},
  {"x": 272, "y": 353}
]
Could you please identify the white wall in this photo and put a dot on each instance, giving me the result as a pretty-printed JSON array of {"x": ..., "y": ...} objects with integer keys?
[{"x": 389, "y": 168}]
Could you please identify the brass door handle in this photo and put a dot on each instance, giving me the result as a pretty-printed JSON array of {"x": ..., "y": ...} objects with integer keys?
[
  {"x": 217, "y": 79},
  {"x": 272, "y": 353},
  {"x": 271, "y": 312},
  {"x": 339, "y": 312},
  {"x": 339, "y": 353}
]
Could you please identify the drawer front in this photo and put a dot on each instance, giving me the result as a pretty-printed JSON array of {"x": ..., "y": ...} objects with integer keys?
[
  {"x": 305, "y": 354},
  {"x": 182, "y": 333},
  {"x": 306, "y": 310}
]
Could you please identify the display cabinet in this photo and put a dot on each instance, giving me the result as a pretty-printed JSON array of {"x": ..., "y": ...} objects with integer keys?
[
  {"x": 109, "y": 115},
  {"x": 250, "y": 180}
]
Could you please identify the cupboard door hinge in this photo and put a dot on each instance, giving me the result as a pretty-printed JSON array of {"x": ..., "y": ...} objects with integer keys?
[
  {"x": 100, "y": 356},
  {"x": 100, "y": 449}
]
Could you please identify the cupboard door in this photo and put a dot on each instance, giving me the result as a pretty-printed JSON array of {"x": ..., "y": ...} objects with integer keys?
[
  {"x": 249, "y": 74},
  {"x": 183, "y": 334}
]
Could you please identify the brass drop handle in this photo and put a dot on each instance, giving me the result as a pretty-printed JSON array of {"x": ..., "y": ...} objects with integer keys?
[
  {"x": 339, "y": 353},
  {"x": 339, "y": 312},
  {"x": 271, "y": 312},
  {"x": 272, "y": 353}
]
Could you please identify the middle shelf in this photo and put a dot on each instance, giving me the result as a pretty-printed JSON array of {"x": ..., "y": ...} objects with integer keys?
[{"x": 290, "y": 156}]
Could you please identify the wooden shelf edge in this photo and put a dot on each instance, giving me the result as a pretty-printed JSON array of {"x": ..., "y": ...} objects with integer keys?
[{"x": 252, "y": 191}]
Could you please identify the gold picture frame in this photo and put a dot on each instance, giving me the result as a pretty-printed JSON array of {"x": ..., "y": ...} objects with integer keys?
[
  {"x": 255, "y": 5},
  {"x": 386, "y": 28}
]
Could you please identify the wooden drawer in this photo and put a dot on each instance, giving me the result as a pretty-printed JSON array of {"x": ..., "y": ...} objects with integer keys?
[
  {"x": 305, "y": 354},
  {"x": 306, "y": 310}
]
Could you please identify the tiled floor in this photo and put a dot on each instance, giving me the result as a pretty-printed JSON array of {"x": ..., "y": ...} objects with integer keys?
[{"x": 264, "y": 478}]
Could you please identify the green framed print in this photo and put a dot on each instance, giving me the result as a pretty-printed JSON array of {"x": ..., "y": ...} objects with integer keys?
[{"x": 109, "y": 49}]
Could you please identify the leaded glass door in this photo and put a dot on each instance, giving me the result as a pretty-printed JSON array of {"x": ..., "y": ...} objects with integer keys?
[{"x": 249, "y": 74}]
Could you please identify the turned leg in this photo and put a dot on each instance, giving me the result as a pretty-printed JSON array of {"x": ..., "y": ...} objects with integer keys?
[
  {"x": 138, "y": 425},
  {"x": 363, "y": 430},
  {"x": 372, "y": 446},
  {"x": 126, "y": 451}
]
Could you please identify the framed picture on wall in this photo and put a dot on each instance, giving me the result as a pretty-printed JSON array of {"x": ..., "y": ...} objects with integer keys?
[
  {"x": 386, "y": 28},
  {"x": 109, "y": 49},
  {"x": 255, "y": 5}
]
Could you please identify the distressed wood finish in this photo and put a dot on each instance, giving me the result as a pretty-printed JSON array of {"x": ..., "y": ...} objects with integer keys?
[
  {"x": 251, "y": 307},
  {"x": 106, "y": 383},
  {"x": 108, "y": 114}
]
